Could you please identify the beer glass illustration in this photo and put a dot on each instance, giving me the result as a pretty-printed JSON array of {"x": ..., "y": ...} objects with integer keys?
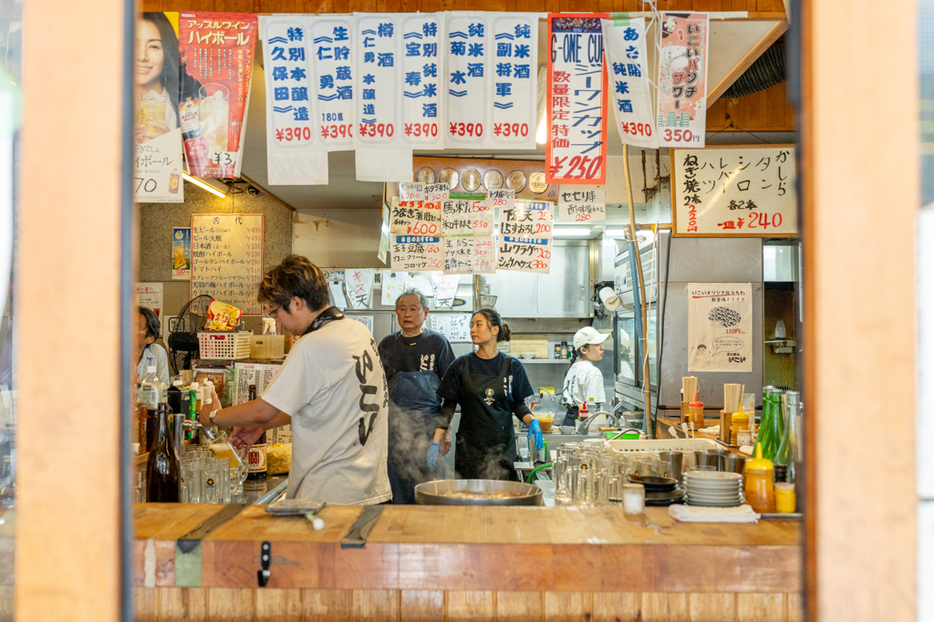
[
  {"x": 151, "y": 108},
  {"x": 215, "y": 115}
]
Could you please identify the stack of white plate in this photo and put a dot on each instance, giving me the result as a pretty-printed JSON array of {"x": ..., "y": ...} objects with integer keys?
[{"x": 713, "y": 488}]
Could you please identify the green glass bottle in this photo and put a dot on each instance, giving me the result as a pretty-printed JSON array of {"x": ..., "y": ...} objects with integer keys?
[{"x": 788, "y": 451}]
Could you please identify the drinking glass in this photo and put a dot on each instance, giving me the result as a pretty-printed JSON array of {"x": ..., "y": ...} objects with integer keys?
[
  {"x": 215, "y": 117},
  {"x": 212, "y": 480},
  {"x": 190, "y": 468}
]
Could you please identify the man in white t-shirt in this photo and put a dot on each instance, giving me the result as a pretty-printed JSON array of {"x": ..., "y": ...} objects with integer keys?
[{"x": 331, "y": 388}]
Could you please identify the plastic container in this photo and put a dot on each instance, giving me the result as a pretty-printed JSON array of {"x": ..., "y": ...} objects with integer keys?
[
  {"x": 760, "y": 493},
  {"x": 697, "y": 413},
  {"x": 547, "y": 421},
  {"x": 225, "y": 345},
  {"x": 267, "y": 347},
  {"x": 740, "y": 422},
  {"x": 785, "y": 498}
]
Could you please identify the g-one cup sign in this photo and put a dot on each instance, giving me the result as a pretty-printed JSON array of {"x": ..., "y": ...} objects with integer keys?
[{"x": 728, "y": 345}]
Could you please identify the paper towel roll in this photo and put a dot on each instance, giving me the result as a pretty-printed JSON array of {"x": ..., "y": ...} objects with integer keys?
[{"x": 609, "y": 298}]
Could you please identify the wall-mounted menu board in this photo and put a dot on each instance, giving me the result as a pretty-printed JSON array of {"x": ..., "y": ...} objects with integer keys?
[
  {"x": 454, "y": 326},
  {"x": 227, "y": 258},
  {"x": 735, "y": 191}
]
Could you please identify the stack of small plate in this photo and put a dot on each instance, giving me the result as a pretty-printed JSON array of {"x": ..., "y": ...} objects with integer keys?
[{"x": 713, "y": 488}]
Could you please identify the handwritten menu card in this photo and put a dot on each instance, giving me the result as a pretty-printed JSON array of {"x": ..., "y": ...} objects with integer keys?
[
  {"x": 581, "y": 205},
  {"x": 454, "y": 326},
  {"x": 414, "y": 217},
  {"x": 524, "y": 254},
  {"x": 735, "y": 191},
  {"x": 227, "y": 258},
  {"x": 467, "y": 255},
  {"x": 359, "y": 284},
  {"x": 415, "y": 253},
  {"x": 503, "y": 198},
  {"x": 260, "y": 374},
  {"x": 529, "y": 219},
  {"x": 466, "y": 214}
]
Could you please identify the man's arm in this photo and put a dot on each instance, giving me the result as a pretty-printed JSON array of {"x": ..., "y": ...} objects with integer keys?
[{"x": 253, "y": 413}]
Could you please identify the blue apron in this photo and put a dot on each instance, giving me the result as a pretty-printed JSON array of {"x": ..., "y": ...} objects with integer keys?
[{"x": 413, "y": 406}]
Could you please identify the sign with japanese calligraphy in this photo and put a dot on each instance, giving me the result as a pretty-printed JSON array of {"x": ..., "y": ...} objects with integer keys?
[
  {"x": 411, "y": 191},
  {"x": 260, "y": 374},
  {"x": 581, "y": 205},
  {"x": 445, "y": 288},
  {"x": 415, "y": 217},
  {"x": 719, "y": 327},
  {"x": 454, "y": 326},
  {"x": 515, "y": 80},
  {"x": 416, "y": 253},
  {"x": 359, "y": 285},
  {"x": 334, "y": 92},
  {"x": 467, "y": 214},
  {"x": 734, "y": 191},
  {"x": 435, "y": 193},
  {"x": 468, "y": 39},
  {"x": 503, "y": 198},
  {"x": 682, "y": 80},
  {"x": 294, "y": 153},
  {"x": 150, "y": 295},
  {"x": 468, "y": 255},
  {"x": 378, "y": 80},
  {"x": 227, "y": 258},
  {"x": 422, "y": 69},
  {"x": 531, "y": 219},
  {"x": 577, "y": 85},
  {"x": 216, "y": 55},
  {"x": 627, "y": 70},
  {"x": 521, "y": 254},
  {"x": 158, "y": 137},
  {"x": 181, "y": 253}
]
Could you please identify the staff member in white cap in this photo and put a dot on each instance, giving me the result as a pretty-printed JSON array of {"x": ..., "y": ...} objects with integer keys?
[{"x": 584, "y": 380}]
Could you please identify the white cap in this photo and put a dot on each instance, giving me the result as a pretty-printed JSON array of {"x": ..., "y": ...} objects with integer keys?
[{"x": 587, "y": 336}]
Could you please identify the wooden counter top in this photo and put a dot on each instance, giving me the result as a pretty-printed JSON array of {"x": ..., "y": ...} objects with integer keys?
[{"x": 471, "y": 548}]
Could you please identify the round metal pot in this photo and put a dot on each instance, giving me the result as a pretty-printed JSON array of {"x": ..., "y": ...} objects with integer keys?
[{"x": 477, "y": 492}]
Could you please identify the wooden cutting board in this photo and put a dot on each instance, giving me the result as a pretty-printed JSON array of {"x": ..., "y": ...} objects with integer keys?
[{"x": 530, "y": 343}]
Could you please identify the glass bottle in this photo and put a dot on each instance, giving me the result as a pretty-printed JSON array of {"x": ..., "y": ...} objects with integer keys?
[
  {"x": 162, "y": 471},
  {"x": 765, "y": 424},
  {"x": 788, "y": 450},
  {"x": 776, "y": 427},
  {"x": 256, "y": 459}
]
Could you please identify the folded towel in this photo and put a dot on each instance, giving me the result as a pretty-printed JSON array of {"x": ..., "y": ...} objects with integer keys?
[{"x": 695, "y": 514}]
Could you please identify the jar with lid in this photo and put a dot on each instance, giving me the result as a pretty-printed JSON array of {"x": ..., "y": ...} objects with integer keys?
[
  {"x": 697, "y": 413},
  {"x": 759, "y": 489}
]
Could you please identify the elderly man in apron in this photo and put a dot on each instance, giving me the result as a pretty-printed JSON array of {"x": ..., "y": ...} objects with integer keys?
[{"x": 415, "y": 360}]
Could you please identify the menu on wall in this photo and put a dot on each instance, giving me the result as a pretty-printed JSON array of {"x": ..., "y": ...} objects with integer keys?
[
  {"x": 581, "y": 205},
  {"x": 227, "y": 258},
  {"x": 734, "y": 191},
  {"x": 416, "y": 253},
  {"x": 524, "y": 254},
  {"x": 454, "y": 326},
  {"x": 359, "y": 283},
  {"x": 418, "y": 218},
  {"x": 254, "y": 373},
  {"x": 469, "y": 255},
  {"x": 529, "y": 219},
  {"x": 472, "y": 215}
]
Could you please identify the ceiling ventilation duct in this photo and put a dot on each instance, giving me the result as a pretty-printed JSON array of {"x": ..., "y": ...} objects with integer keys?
[{"x": 768, "y": 70}]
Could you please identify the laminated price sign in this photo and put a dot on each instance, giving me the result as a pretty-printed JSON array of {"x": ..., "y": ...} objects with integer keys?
[
  {"x": 524, "y": 254},
  {"x": 415, "y": 218},
  {"x": 416, "y": 253},
  {"x": 467, "y": 216},
  {"x": 469, "y": 255},
  {"x": 528, "y": 219}
]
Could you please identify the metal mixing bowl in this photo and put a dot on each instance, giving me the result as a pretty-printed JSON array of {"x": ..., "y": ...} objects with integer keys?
[{"x": 479, "y": 491}]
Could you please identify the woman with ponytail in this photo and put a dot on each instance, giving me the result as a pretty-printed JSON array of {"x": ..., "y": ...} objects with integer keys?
[
  {"x": 584, "y": 380},
  {"x": 491, "y": 388}
]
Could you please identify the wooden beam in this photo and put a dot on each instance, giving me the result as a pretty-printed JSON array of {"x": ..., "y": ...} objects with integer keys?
[
  {"x": 69, "y": 363},
  {"x": 861, "y": 195},
  {"x": 267, "y": 192}
]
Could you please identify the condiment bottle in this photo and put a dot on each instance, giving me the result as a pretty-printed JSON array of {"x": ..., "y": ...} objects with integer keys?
[
  {"x": 194, "y": 406},
  {"x": 162, "y": 471},
  {"x": 256, "y": 458},
  {"x": 760, "y": 493},
  {"x": 697, "y": 413},
  {"x": 740, "y": 422},
  {"x": 151, "y": 389}
]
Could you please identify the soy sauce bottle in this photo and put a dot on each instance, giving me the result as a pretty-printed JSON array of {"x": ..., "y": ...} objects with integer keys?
[
  {"x": 162, "y": 472},
  {"x": 256, "y": 459}
]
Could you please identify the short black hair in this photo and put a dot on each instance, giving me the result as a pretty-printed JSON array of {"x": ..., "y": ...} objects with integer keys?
[
  {"x": 153, "y": 325},
  {"x": 295, "y": 276}
]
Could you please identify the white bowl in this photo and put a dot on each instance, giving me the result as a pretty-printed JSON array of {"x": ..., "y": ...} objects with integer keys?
[{"x": 525, "y": 355}]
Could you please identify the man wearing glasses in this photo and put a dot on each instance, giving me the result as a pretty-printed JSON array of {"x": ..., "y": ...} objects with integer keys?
[{"x": 331, "y": 389}]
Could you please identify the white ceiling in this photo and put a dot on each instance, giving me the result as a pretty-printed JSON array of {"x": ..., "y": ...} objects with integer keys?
[{"x": 734, "y": 44}]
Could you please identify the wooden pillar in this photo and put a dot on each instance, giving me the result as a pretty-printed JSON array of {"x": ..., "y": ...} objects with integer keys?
[
  {"x": 861, "y": 197},
  {"x": 71, "y": 364}
]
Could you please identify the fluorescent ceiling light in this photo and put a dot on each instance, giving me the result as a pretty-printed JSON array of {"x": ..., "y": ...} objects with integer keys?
[
  {"x": 571, "y": 232},
  {"x": 541, "y": 134},
  {"x": 204, "y": 185},
  {"x": 616, "y": 233}
]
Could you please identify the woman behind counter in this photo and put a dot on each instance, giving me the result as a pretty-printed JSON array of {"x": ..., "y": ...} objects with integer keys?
[
  {"x": 150, "y": 354},
  {"x": 490, "y": 387},
  {"x": 583, "y": 380}
]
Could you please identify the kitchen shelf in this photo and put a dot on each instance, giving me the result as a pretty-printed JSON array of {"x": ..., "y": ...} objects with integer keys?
[{"x": 542, "y": 361}]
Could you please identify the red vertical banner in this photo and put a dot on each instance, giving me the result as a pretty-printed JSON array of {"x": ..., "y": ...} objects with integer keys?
[
  {"x": 577, "y": 95},
  {"x": 216, "y": 65}
]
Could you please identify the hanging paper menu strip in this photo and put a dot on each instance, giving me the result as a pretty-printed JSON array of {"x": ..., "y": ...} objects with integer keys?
[
  {"x": 515, "y": 80},
  {"x": 411, "y": 191},
  {"x": 445, "y": 287},
  {"x": 682, "y": 80},
  {"x": 734, "y": 191},
  {"x": 467, "y": 49},
  {"x": 416, "y": 253},
  {"x": 581, "y": 205},
  {"x": 528, "y": 219},
  {"x": 470, "y": 215},
  {"x": 577, "y": 85},
  {"x": 331, "y": 50},
  {"x": 435, "y": 193},
  {"x": 379, "y": 81},
  {"x": 294, "y": 154},
  {"x": 524, "y": 254},
  {"x": 359, "y": 283},
  {"x": 415, "y": 217},
  {"x": 227, "y": 258},
  {"x": 624, "y": 44},
  {"x": 503, "y": 198},
  {"x": 422, "y": 38},
  {"x": 468, "y": 255},
  {"x": 218, "y": 53}
]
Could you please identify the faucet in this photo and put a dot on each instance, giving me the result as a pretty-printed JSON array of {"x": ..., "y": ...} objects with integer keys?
[
  {"x": 542, "y": 391},
  {"x": 183, "y": 425},
  {"x": 584, "y": 426}
]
